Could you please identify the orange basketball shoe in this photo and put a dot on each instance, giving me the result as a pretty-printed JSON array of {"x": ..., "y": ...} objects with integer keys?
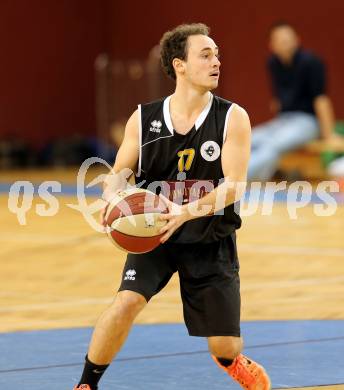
[
  {"x": 249, "y": 374},
  {"x": 82, "y": 387}
]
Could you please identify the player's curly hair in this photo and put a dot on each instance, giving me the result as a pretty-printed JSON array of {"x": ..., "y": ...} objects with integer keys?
[{"x": 173, "y": 44}]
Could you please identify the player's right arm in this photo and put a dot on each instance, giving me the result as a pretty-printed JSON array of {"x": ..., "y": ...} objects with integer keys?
[
  {"x": 126, "y": 161},
  {"x": 128, "y": 153}
]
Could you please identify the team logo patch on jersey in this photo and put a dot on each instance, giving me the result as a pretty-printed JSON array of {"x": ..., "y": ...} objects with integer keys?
[
  {"x": 210, "y": 151},
  {"x": 155, "y": 127}
]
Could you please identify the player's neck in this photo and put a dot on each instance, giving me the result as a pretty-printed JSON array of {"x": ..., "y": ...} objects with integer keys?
[{"x": 187, "y": 101}]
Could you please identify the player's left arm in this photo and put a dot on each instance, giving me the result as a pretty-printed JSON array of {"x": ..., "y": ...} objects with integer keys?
[{"x": 235, "y": 157}]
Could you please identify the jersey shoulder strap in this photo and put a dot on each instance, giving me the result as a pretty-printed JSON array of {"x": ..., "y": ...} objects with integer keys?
[
  {"x": 151, "y": 121},
  {"x": 222, "y": 109},
  {"x": 151, "y": 108}
]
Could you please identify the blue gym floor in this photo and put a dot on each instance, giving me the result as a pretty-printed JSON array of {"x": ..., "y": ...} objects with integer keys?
[{"x": 163, "y": 357}]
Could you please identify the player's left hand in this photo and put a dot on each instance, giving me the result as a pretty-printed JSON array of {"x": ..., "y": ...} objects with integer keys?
[{"x": 176, "y": 216}]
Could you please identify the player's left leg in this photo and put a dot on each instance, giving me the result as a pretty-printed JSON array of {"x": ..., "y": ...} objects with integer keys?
[
  {"x": 225, "y": 347},
  {"x": 210, "y": 289},
  {"x": 225, "y": 350}
]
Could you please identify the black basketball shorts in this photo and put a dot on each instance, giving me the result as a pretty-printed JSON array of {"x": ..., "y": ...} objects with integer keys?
[{"x": 209, "y": 282}]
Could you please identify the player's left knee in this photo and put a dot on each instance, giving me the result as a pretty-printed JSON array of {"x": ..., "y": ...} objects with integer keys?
[{"x": 227, "y": 347}]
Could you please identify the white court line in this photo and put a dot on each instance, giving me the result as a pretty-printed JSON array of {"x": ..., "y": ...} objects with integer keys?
[
  {"x": 252, "y": 248},
  {"x": 47, "y": 239},
  {"x": 55, "y": 305},
  {"x": 292, "y": 283},
  {"x": 108, "y": 300},
  {"x": 294, "y": 250},
  {"x": 28, "y": 325},
  {"x": 280, "y": 301},
  {"x": 336, "y": 252}
]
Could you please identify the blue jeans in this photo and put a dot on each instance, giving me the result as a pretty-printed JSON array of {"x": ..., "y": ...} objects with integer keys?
[{"x": 288, "y": 131}]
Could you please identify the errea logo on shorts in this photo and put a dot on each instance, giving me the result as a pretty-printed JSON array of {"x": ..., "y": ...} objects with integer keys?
[
  {"x": 130, "y": 274},
  {"x": 155, "y": 127}
]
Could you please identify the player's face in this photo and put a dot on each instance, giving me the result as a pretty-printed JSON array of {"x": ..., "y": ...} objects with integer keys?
[
  {"x": 284, "y": 42},
  {"x": 202, "y": 66}
]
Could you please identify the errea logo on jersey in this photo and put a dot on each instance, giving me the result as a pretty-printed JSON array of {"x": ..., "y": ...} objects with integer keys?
[
  {"x": 130, "y": 274},
  {"x": 210, "y": 150},
  {"x": 155, "y": 127}
]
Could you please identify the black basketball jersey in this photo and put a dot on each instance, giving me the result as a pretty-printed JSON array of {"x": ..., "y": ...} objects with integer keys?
[{"x": 186, "y": 167}]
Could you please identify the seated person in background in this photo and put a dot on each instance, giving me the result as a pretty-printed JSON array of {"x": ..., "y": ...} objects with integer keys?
[{"x": 300, "y": 102}]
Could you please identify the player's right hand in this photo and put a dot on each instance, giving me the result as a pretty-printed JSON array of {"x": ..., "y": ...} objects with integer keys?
[{"x": 108, "y": 196}]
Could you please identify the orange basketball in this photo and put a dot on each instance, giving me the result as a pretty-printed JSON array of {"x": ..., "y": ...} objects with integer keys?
[{"x": 132, "y": 220}]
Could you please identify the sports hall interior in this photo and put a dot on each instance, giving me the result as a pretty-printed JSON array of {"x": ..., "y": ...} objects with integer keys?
[{"x": 71, "y": 73}]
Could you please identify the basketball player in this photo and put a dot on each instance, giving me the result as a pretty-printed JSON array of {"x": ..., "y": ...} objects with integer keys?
[{"x": 190, "y": 135}]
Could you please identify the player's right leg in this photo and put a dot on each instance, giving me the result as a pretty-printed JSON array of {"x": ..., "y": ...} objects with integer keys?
[
  {"x": 109, "y": 335},
  {"x": 114, "y": 325},
  {"x": 143, "y": 276}
]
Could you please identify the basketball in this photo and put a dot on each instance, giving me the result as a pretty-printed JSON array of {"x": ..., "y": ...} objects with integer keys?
[{"x": 133, "y": 222}]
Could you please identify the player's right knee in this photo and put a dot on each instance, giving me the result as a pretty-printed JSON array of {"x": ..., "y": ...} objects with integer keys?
[{"x": 129, "y": 303}]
